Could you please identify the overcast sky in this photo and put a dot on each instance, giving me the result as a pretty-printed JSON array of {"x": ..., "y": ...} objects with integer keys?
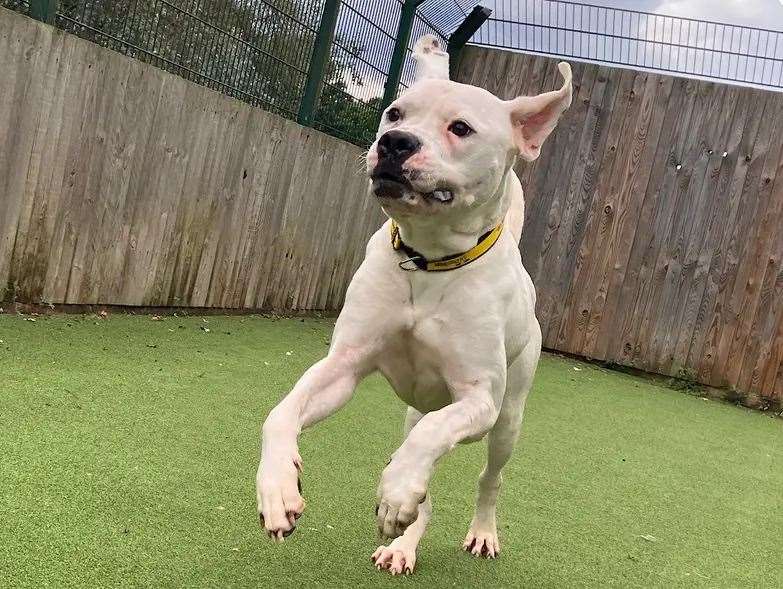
[{"x": 766, "y": 14}]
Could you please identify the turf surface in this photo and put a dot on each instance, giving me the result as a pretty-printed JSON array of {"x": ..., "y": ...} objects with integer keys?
[{"x": 129, "y": 450}]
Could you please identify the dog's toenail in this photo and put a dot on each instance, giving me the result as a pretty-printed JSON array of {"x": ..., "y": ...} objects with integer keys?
[
  {"x": 287, "y": 533},
  {"x": 299, "y": 484}
]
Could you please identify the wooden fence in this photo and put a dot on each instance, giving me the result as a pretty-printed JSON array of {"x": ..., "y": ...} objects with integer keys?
[
  {"x": 653, "y": 218},
  {"x": 123, "y": 184},
  {"x": 654, "y": 229}
]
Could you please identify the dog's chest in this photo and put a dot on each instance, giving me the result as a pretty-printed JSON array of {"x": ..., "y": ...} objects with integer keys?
[{"x": 418, "y": 355}]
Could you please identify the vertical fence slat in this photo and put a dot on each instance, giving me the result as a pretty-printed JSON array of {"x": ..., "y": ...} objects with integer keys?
[
  {"x": 44, "y": 10},
  {"x": 318, "y": 61}
]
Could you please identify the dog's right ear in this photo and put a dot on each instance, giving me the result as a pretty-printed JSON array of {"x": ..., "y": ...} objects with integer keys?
[{"x": 432, "y": 61}]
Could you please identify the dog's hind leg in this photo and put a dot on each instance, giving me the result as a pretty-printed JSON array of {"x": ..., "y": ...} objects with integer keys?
[
  {"x": 482, "y": 537},
  {"x": 400, "y": 555}
]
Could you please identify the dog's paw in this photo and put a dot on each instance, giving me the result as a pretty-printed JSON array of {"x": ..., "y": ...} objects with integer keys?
[
  {"x": 394, "y": 515},
  {"x": 482, "y": 543},
  {"x": 397, "y": 558},
  {"x": 399, "y": 497},
  {"x": 279, "y": 497},
  {"x": 428, "y": 45}
]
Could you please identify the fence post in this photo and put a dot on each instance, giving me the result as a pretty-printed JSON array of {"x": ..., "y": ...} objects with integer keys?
[
  {"x": 320, "y": 57},
  {"x": 400, "y": 49},
  {"x": 43, "y": 10},
  {"x": 463, "y": 33}
]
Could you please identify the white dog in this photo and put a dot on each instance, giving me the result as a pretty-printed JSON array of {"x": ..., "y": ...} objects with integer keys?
[{"x": 441, "y": 305}]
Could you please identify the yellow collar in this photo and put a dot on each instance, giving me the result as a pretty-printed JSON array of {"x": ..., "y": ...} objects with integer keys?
[{"x": 453, "y": 262}]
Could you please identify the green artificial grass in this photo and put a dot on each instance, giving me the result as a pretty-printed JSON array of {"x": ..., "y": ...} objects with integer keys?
[{"x": 129, "y": 448}]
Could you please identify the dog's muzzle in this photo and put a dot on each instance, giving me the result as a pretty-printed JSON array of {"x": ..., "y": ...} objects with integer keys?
[
  {"x": 394, "y": 148},
  {"x": 388, "y": 178}
]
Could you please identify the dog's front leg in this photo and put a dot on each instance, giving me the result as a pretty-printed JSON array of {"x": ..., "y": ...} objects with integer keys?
[
  {"x": 322, "y": 390},
  {"x": 404, "y": 481}
]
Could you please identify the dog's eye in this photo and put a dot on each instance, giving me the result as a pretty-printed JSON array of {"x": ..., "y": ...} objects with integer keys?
[
  {"x": 393, "y": 114},
  {"x": 460, "y": 128}
]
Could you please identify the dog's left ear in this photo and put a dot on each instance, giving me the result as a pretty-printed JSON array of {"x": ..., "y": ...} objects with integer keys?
[
  {"x": 432, "y": 61},
  {"x": 534, "y": 117}
]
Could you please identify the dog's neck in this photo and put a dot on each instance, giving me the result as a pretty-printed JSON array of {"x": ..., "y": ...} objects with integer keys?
[{"x": 439, "y": 236}]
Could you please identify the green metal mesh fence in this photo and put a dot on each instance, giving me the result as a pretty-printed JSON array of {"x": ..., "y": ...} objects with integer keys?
[{"x": 258, "y": 51}]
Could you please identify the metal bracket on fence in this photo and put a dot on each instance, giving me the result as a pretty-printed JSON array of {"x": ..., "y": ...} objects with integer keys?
[
  {"x": 407, "y": 14},
  {"x": 318, "y": 61},
  {"x": 463, "y": 33},
  {"x": 43, "y": 10}
]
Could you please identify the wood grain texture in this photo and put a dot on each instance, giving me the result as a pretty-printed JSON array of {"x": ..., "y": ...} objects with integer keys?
[
  {"x": 654, "y": 221},
  {"x": 123, "y": 184}
]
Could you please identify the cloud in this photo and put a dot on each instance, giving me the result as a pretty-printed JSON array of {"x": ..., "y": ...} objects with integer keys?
[
  {"x": 754, "y": 13},
  {"x": 368, "y": 84}
]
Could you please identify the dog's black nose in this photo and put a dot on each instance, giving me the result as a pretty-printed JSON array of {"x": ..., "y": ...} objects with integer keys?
[{"x": 398, "y": 145}]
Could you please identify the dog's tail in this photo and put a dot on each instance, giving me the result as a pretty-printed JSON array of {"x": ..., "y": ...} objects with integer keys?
[{"x": 432, "y": 61}]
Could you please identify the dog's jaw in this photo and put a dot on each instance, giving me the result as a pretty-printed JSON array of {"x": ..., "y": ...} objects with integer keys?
[
  {"x": 390, "y": 189},
  {"x": 399, "y": 188},
  {"x": 436, "y": 230}
]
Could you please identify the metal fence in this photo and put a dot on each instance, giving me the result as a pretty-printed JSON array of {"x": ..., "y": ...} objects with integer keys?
[
  {"x": 325, "y": 63},
  {"x": 638, "y": 39},
  {"x": 334, "y": 64},
  {"x": 255, "y": 51},
  {"x": 362, "y": 54}
]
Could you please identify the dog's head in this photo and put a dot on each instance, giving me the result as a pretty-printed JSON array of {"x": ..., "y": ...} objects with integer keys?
[{"x": 444, "y": 146}]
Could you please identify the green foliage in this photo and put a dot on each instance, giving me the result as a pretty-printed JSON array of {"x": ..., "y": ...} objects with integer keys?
[
  {"x": 346, "y": 117},
  {"x": 18, "y": 5}
]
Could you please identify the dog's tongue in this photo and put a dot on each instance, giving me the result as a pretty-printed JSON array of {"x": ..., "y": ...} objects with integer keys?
[{"x": 441, "y": 195}]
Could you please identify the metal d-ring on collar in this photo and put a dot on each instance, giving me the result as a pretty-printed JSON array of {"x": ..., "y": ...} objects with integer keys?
[{"x": 416, "y": 262}]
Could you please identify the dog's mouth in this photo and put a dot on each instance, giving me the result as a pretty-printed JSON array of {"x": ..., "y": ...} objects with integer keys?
[{"x": 388, "y": 185}]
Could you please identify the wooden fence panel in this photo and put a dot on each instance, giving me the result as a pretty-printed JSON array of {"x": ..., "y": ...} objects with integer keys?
[
  {"x": 123, "y": 184},
  {"x": 654, "y": 224}
]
